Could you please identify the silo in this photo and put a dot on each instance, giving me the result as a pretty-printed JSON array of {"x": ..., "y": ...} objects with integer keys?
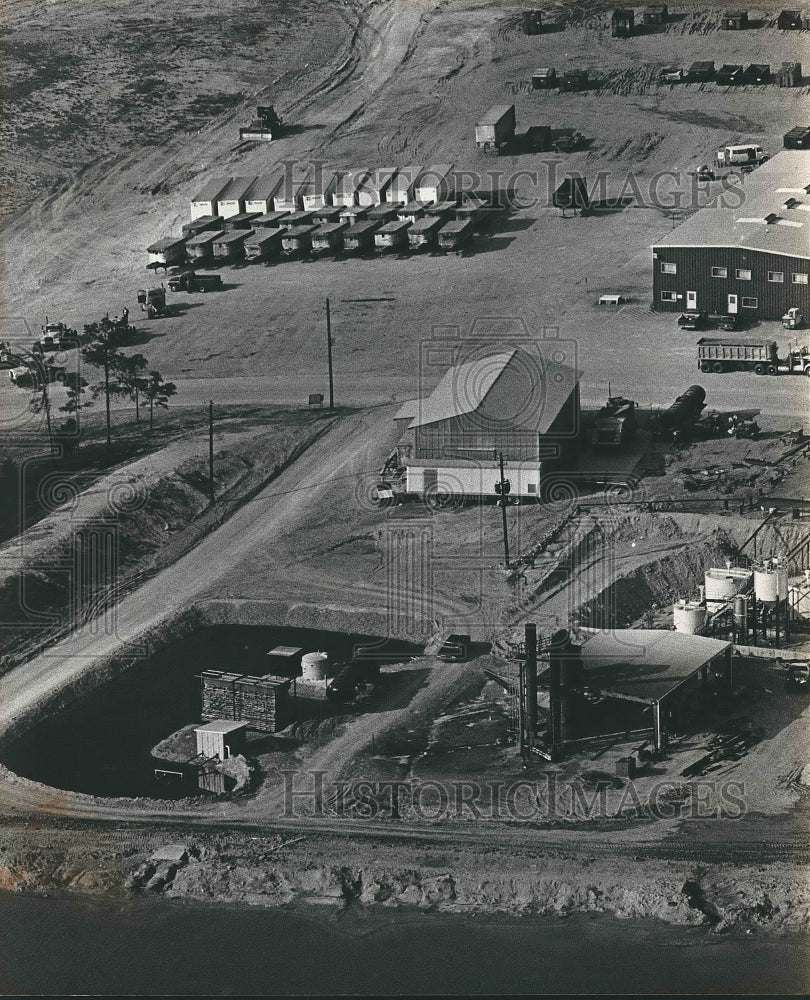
[
  {"x": 313, "y": 666},
  {"x": 770, "y": 582},
  {"x": 723, "y": 584},
  {"x": 689, "y": 617}
]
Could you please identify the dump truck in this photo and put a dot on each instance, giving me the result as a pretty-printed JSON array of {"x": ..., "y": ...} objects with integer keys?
[
  {"x": 190, "y": 281},
  {"x": 615, "y": 423},
  {"x": 720, "y": 355},
  {"x": 496, "y": 128}
]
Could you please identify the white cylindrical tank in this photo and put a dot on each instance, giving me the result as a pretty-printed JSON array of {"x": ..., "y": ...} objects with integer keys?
[
  {"x": 770, "y": 584},
  {"x": 313, "y": 666},
  {"x": 722, "y": 584},
  {"x": 689, "y": 616}
]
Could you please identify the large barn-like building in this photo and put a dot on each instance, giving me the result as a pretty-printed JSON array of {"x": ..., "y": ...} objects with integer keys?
[
  {"x": 748, "y": 252},
  {"x": 519, "y": 403}
]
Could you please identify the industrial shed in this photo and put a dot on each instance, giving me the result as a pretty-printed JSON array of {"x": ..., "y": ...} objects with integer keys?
[
  {"x": 573, "y": 80},
  {"x": 231, "y": 200},
  {"x": 753, "y": 259},
  {"x": 757, "y": 73},
  {"x": 401, "y": 189},
  {"x": 205, "y": 202},
  {"x": 730, "y": 74},
  {"x": 519, "y": 402},
  {"x": 797, "y": 138},
  {"x": 654, "y": 668},
  {"x": 222, "y": 738}
]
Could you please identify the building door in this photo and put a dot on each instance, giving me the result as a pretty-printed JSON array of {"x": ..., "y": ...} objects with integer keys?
[
  {"x": 691, "y": 300},
  {"x": 732, "y": 305}
]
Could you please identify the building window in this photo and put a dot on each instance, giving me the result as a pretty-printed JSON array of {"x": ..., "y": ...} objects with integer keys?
[
  {"x": 799, "y": 278},
  {"x": 669, "y": 268},
  {"x": 719, "y": 272},
  {"x": 531, "y": 487},
  {"x": 669, "y": 296},
  {"x": 750, "y": 302},
  {"x": 743, "y": 274},
  {"x": 776, "y": 276}
]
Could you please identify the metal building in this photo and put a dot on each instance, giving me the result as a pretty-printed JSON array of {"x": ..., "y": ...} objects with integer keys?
[
  {"x": 753, "y": 259},
  {"x": 259, "y": 196},
  {"x": 222, "y": 738},
  {"x": 519, "y": 402}
]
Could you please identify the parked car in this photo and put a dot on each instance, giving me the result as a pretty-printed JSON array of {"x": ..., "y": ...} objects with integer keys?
[
  {"x": 455, "y": 649},
  {"x": 693, "y": 320},
  {"x": 190, "y": 281},
  {"x": 726, "y": 321}
]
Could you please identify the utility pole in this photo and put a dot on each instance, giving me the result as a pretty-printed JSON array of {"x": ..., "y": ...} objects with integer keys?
[
  {"x": 329, "y": 356},
  {"x": 503, "y": 488},
  {"x": 211, "y": 450}
]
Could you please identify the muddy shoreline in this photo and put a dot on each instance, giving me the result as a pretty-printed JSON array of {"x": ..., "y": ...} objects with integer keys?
[{"x": 322, "y": 871}]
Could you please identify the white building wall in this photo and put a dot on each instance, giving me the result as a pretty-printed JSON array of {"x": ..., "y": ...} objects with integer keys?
[
  {"x": 474, "y": 481},
  {"x": 201, "y": 208}
]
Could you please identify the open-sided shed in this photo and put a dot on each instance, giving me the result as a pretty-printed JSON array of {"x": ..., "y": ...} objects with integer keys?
[
  {"x": 700, "y": 71},
  {"x": 734, "y": 20},
  {"x": 790, "y": 20}
]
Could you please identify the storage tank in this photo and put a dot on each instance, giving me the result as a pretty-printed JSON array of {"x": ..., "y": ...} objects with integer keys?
[
  {"x": 799, "y": 594},
  {"x": 722, "y": 584},
  {"x": 770, "y": 582},
  {"x": 313, "y": 666},
  {"x": 741, "y": 614},
  {"x": 689, "y": 616}
]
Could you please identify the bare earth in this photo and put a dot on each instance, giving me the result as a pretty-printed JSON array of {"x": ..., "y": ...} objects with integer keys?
[{"x": 114, "y": 128}]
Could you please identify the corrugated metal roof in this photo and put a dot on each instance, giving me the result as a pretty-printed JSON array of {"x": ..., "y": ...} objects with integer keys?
[
  {"x": 405, "y": 177},
  {"x": 645, "y": 664},
  {"x": 208, "y": 236},
  {"x": 221, "y": 727},
  {"x": 394, "y": 226},
  {"x": 212, "y": 189},
  {"x": 427, "y": 224},
  {"x": 233, "y": 236},
  {"x": 262, "y": 236},
  {"x": 762, "y": 193},
  {"x": 464, "y": 388}
]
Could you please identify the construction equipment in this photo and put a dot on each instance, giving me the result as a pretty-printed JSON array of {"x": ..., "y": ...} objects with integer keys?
[
  {"x": 682, "y": 414},
  {"x": 615, "y": 423},
  {"x": 793, "y": 319},
  {"x": 740, "y": 427},
  {"x": 720, "y": 355},
  {"x": 56, "y": 337},
  {"x": 153, "y": 302},
  {"x": 266, "y": 126}
]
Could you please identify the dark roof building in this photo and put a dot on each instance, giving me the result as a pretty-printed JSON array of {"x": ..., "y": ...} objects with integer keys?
[{"x": 748, "y": 252}]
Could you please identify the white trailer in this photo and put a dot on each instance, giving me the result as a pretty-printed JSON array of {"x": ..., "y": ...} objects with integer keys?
[
  {"x": 259, "y": 197},
  {"x": 437, "y": 183},
  {"x": 205, "y": 202},
  {"x": 401, "y": 189},
  {"x": 375, "y": 186},
  {"x": 231, "y": 201},
  {"x": 496, "y": 128},
  {"x": 348, "y": 185}
]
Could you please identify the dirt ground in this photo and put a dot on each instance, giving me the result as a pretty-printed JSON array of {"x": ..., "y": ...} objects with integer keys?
[{"x": 93, "y": 180}]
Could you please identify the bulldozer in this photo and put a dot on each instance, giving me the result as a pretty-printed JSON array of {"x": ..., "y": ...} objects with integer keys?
[{"x": 615, "y": 423}]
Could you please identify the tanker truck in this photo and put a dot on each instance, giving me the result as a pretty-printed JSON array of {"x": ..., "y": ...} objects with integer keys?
[{"x": 720, "y": 355}]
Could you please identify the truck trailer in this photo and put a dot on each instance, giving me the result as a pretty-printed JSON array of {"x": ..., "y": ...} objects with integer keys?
[
  {"x": 496, "y": 128},
  {"x": 720, "y": 355}
]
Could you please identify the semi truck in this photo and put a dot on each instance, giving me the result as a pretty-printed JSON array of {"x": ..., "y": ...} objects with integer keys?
[
  {"x": 496, "y": 128},
  {"x": 720, "y": 355}
]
